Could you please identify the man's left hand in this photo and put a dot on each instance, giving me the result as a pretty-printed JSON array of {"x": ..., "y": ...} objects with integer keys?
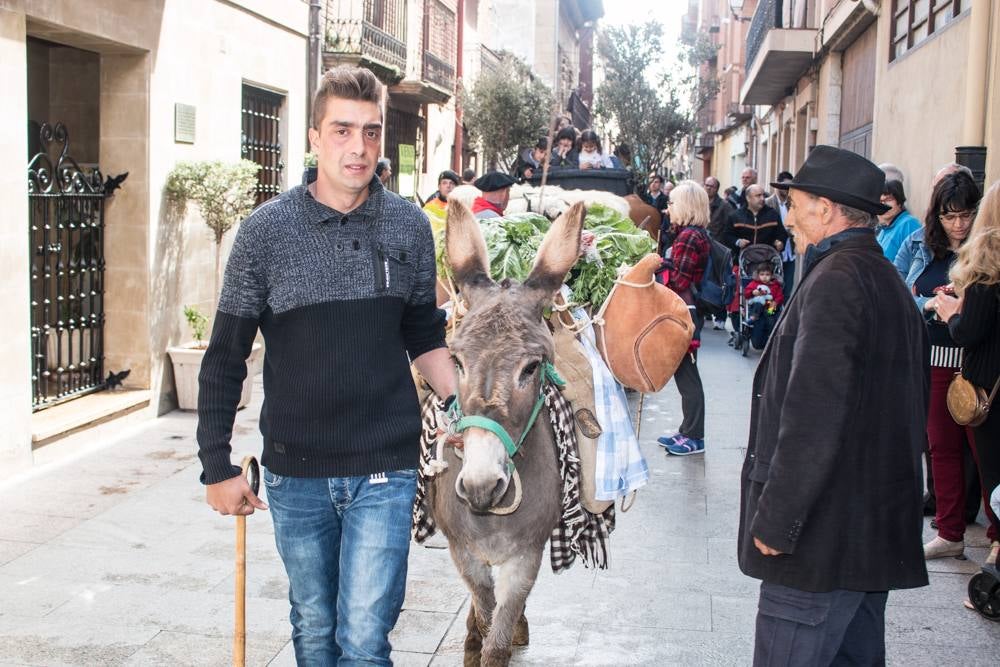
[{"x": 764, "y": 549}]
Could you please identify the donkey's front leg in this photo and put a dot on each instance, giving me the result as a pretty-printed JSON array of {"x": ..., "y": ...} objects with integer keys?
[
  {"x": 479, "y": 579},
  {"x": 514, "y": 581}
]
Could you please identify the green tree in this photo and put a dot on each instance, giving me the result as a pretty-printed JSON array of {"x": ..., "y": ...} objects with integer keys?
[
  {"x": 224, "y": 193},
  {"x": 641, "y": 102},
  {"x": 506, "y": 108}
]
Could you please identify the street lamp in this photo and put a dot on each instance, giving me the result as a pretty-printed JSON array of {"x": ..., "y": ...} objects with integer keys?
[{"x": 736, "y": 8}]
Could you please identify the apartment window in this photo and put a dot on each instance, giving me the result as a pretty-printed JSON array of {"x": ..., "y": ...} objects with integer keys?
[
  {"x": 913, "y": 21},
  {"x": 261, "y": 141}
]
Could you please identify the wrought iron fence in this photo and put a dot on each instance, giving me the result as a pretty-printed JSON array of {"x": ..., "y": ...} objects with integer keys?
[
  {"x": 66, "y": 237},
  {"x": 374, "y": 29}
]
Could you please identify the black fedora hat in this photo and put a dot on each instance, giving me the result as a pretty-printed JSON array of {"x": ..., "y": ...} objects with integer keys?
[{"x": 840, "y": 176}]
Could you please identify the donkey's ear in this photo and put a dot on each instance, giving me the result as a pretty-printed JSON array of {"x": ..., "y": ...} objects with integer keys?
[
  {"x": 470, "y": 263},
  {"x": 559, "y": 251}
]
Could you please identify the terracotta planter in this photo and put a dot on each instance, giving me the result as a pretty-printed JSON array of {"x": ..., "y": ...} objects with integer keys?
[{"x": 186, "y": 360}]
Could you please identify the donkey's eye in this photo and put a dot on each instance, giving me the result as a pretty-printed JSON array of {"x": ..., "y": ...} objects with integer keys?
[{"x": 529, "y": 371}]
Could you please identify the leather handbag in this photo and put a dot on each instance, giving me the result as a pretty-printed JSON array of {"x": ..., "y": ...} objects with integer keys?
[
  {"x": 968, "y": 404},
  {"x": 643, "y": 329}
]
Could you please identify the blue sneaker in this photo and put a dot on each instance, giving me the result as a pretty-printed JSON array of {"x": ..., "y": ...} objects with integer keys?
[
  {"x": 684, "y": 446},
  {"x": 667, "y": 440}
]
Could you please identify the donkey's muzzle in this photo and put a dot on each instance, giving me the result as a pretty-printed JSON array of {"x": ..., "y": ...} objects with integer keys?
[{"x": 481, "y": 496}]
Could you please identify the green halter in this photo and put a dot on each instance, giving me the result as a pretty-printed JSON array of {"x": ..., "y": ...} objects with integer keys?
[{"x": 460, "y": 422}]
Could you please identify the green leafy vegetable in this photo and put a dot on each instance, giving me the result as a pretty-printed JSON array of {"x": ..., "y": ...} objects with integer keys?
[{"x": 512, "y": 243}]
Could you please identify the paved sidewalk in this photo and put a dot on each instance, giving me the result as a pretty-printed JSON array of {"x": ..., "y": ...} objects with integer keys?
[{"x": 114, "y": 559}]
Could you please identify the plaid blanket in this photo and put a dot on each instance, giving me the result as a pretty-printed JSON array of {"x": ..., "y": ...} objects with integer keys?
[{"x": 578, "y": 532}]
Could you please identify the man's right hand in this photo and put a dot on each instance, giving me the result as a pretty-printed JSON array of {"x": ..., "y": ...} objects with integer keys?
[{"x": 233, "y": 497}]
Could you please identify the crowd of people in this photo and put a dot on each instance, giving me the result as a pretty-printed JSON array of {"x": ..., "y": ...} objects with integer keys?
[{"x": 845, "y": 347}]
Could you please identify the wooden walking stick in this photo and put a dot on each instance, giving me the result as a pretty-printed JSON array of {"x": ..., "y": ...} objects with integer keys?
[{"x": 252, "y": 472}]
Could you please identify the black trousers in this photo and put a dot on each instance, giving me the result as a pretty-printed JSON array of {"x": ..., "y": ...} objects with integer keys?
[
  {"x": 692, "y": 394},
  {"x": 987, "y": 437},
  {"x": 799, "y": 628}
]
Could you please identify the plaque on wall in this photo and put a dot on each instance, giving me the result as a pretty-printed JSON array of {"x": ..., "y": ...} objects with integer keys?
[{"x": 184, "y": 117}]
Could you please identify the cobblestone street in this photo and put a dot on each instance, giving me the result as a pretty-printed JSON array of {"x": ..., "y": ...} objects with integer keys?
[{"x": 113, "y": 558}]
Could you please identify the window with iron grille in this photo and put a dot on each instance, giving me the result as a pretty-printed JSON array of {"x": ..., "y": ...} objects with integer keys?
[
  {"x": 913, "y": 21},
  {"x": 387, "y": 15},
  {"x": 261, "y": 140},
  {"x": 439, "y": 44}
]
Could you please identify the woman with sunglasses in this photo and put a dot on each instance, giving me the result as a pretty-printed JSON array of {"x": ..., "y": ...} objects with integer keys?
[{"x": 924, "y": 261}]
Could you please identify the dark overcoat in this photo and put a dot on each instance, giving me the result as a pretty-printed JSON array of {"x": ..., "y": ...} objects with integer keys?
[{"x": 832, "y": 476}]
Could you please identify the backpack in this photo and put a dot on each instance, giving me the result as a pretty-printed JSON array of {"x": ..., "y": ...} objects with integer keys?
[{"x": 717, "y": 286}]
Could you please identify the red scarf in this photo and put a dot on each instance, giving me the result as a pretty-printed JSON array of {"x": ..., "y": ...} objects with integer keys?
[{"x": 481, "y": 204}]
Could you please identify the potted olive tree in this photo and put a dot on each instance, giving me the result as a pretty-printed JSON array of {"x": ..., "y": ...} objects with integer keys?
[{"x": 224, "y": 195}]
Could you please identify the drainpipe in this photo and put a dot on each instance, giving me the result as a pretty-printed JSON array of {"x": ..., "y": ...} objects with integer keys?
[
  {"x": 457, "y": 144},
  {"x": 973, "y": 153},
  {"x": 313, "y": 59}
]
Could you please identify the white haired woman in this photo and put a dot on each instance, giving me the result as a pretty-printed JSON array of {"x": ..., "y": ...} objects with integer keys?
[{"x": 689, "y": 215}]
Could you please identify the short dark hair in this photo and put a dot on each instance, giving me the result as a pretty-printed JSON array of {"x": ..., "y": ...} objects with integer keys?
[
  {"x": 623, "y": 150},
  {"x": 894, "y": 189},
  {"x": 955, "y": 192},
  {"x": 346, "y": 83},
  {"x": 382, "y": 165},
  {"x": 566, "y": 133},
  {"x": 542, "y": 144},
  {"x": 469, "y": 175},
  {"x": 764, "y": 266}
]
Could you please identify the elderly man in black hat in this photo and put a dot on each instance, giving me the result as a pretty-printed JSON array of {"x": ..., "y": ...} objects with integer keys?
[
  {"x": 830, "y": 516},
  {"x": 495, "y": 187}
]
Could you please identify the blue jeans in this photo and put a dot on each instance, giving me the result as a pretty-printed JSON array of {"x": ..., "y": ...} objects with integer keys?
[{"x": 344, "y": 542}]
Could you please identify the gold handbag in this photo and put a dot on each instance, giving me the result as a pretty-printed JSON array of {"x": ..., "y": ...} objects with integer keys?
[{"x": 968, "y": 404}]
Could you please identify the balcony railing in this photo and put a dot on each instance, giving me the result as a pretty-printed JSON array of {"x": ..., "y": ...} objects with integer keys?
[
  {"x": 489, "y": 61},
  {"x": 438, "y": 72},
  {"x": 439, "y": 45},
  {"x": 782, "y": 14},
  {"x": 373, "y": 30}
]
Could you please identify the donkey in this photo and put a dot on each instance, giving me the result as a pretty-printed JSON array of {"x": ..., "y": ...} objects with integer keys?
[{"x": 501, "y": 349}]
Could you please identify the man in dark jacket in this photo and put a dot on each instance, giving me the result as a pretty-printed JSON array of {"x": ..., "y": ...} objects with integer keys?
[
  {"x": 719, "y": 209},
  {"x": 755, "y": 223},
  {"x": 830, "y": 516}
]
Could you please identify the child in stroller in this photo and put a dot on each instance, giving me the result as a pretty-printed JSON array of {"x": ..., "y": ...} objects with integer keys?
[{"x": 760, "y": 297}]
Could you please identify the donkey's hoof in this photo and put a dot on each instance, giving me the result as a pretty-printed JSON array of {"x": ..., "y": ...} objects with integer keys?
[
  {"x": 499, "y": 657},
  {"x": 520, "y": 632},
  {"x": 471, "y": 659}
]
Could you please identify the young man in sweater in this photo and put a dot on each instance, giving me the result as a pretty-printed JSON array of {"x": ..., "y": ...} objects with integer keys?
[{"x": 338, "y": 275}]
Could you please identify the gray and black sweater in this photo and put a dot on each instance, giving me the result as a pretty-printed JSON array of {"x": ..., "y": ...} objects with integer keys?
[{"x": 341, "y": 300}]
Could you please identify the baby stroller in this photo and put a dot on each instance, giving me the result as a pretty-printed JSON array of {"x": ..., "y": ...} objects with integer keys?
[
  {"x": 984, "y": 588},
  {"x": 751, "y": 257}
]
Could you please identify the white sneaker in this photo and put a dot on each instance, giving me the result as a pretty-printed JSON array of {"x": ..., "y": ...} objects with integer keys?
[{"x": 942, "y": 548}]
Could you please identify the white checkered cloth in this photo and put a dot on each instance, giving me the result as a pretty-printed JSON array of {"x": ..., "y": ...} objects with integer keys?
[
  {"x": 620, "y": 466},
  {"x": 578, "y": 531}
]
